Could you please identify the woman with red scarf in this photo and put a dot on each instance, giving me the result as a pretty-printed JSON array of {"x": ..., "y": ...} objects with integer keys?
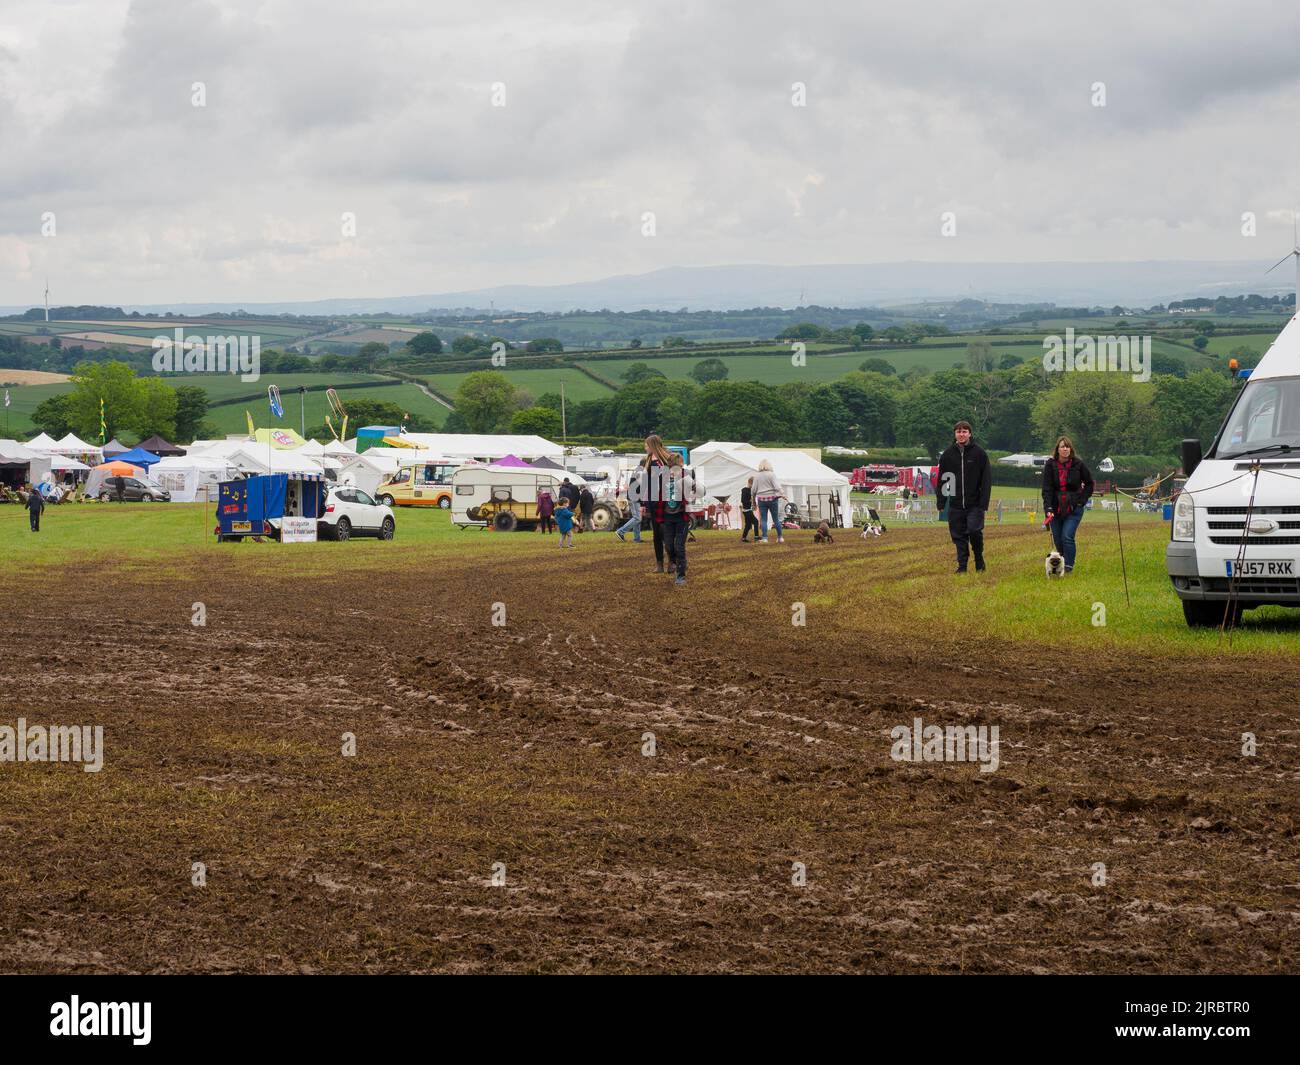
[{"x": 1067, "y": 486}]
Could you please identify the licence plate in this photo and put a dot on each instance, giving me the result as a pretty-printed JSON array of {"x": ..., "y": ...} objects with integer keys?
[
  {"x": 1263, "y": 567},
  {"x": 241, "y": 526}
]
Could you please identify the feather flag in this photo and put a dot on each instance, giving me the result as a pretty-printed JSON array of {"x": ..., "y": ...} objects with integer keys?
[
  {"x": 103, "y": 429},
  {"x": 251, "y": 431},
  {"x": 277, "y": 408}
]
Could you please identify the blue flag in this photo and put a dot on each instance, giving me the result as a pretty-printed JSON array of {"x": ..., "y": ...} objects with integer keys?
[{"x": 277, "y": 408}]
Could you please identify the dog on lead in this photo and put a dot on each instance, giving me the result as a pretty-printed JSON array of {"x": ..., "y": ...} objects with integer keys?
[
  {"x": 1054, "y": 563},
  {"x": 823, "y": 534}
]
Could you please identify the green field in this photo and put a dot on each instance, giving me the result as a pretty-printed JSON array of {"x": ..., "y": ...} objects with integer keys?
[
  {"x": 577, "y": 386},
  {"x": 230, "y": 418},
  {"x": 1221, "y": 345}
]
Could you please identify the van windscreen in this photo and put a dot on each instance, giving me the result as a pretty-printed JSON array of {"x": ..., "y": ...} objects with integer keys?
[{"x": 1266, "y": 416}]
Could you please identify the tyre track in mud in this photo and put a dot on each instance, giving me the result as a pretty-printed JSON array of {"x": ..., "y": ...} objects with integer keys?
[{"x": 522, "y": 744}]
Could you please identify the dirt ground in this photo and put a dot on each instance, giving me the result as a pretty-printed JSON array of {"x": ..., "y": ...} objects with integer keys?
[{"x": 522, "y": 745}]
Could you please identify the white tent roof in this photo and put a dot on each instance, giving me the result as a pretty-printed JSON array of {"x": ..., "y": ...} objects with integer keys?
[
  {"x": 263, "y": 458},
  {"x": 717, "y": 445},
  {"x": 337, "y": 447},
  {"x": 42, "y": 443},
  {"x": 312, "y": 448},
  {"x": 383, "y": 459},
  {"x": 12, "y": 451},
  {"x": 201, "y": 461},
  {"x": 485, "y": 446},
  {"x": 73, "y": 441},
  {"x": 63, "y": 463},
  {"x": 791, "y": 467}
]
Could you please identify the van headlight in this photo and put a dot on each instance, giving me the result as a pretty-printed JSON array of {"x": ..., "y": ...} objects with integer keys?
[{"x": 1184, "y": 518}]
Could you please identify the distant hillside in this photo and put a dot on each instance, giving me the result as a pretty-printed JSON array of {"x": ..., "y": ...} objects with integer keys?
[{"x": 848, "y": 285}]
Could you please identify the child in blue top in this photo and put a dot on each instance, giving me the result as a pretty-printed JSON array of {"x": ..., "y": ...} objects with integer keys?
[{"x": 564, "y": 520}]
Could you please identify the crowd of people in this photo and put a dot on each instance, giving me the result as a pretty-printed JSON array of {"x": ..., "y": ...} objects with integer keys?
[{"x": 663, "y": 486}]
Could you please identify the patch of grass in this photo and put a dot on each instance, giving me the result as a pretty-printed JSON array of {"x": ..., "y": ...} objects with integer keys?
[{"x": 902, "y": 583}]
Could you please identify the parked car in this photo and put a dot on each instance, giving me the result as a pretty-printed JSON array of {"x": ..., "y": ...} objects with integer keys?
[
  {"x": 351, "y": 512},
  {"x": 132, "y": 490}
]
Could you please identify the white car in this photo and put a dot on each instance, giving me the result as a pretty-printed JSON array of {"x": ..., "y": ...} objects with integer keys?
[{"x": 351, "y": 512}]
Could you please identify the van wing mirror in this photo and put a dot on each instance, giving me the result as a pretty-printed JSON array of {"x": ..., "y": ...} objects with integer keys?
[{"x": 1191, "y": 456}]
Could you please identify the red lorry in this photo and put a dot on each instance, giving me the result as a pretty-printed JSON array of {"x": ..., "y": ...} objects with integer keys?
[{"x": 883, "y": 475}]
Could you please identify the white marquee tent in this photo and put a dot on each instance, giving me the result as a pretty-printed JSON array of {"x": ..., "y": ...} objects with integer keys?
[
  {"x": 819, "y": 491},
  {"x": 367, "y": 470},
  {"x": 485, "y": 447},
  {"x": 263, "y": 458},
  {"x": 190, "y": 478}
]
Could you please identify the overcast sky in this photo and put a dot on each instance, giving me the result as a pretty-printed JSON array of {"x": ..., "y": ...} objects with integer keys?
[{"x": 384, "y": 108}]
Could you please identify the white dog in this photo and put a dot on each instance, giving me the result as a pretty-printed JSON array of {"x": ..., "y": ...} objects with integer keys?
[{"x": 1054, "y": 565}]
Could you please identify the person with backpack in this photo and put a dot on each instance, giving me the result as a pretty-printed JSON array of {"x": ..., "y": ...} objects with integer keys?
[
  {"x": 966, "y": 483},
  {"x": 1067, "y": 487}
]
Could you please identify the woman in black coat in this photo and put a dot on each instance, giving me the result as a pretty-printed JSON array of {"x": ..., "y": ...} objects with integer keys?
[{"x": 1067, "y": 487}]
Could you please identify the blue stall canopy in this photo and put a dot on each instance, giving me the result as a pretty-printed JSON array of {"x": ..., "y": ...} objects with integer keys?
[{"x": 137, "y": 457}]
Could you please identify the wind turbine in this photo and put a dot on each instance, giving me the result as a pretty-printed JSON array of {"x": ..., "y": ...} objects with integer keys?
[{"x": 1295, "y": 250}]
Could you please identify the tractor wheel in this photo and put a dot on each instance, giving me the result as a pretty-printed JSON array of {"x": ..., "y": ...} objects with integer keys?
[
  {"x": 505, "y": 521},
  {"x": 603, "y": 518}
]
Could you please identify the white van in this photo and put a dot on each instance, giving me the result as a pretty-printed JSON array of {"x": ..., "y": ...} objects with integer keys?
[{"x": 1252, "y": 469}]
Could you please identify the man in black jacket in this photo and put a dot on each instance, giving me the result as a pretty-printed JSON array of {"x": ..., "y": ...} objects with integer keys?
[
  {"x": 966, "y": 478},
  {"x": 586, "y": 507},
  {"x": 35, "y": 504}
]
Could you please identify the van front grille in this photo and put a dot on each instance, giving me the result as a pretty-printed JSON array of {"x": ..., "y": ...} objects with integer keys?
[{"x": 1255, "y": 541}]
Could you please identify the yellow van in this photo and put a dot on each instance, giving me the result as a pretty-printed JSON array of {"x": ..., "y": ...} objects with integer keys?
[{"x": 425, "y": 484}]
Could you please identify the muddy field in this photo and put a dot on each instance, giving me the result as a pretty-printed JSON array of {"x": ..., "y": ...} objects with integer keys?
[{"x": 522, "y": 744}]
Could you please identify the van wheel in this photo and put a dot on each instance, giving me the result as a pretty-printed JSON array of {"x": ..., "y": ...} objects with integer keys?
[
  {"x": 1208, "y": 614},
  {"x": 444, "y": 502},
  {"x": 505, "y": 521},
  {"x": 386, "y": 500},
  {"x": 386, "y": 530}
]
